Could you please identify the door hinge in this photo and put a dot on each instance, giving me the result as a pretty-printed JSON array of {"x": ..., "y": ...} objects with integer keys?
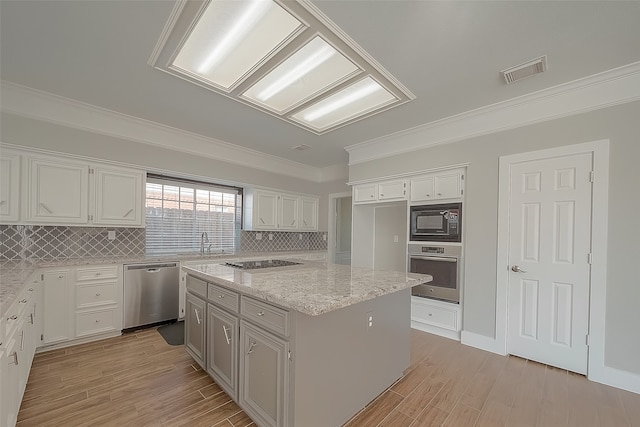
[
  {"x": 588, "y": 340},
  {"x": 41, "y": 337},
  {"x": 91, "y": 171},
  {"x": 590, "y": 258},
  {"x": 592, "y": 176},
  {"x": 42, "y": 277},
  {"x": 461, "y": 192}
]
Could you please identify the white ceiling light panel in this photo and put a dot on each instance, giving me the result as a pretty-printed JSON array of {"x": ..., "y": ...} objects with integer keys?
[
  {"x": 353, "y": 101},
  {"x": 312, "y": 69},
  {"x": 232, "y": 37}
]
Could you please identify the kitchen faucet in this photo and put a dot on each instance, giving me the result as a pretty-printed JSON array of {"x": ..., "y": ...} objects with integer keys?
[{"x": 204, "y": 238}]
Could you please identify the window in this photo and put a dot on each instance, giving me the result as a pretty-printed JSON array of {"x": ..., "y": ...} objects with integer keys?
[{"x": 179, "y": 212}]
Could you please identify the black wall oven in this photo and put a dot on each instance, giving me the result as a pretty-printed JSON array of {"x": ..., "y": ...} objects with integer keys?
[
  {"x": 441, "y": 262},
  {"x": 436, "y": 223}
]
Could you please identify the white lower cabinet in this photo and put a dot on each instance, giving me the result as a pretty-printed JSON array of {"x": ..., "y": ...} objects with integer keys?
[
  {"x": 97, "y": 297},
  {"x": 21, "y": 327},
  {"x": 264, "y": 375},
  {"x": 59, "y": 304},
  {"x": 438, "y": 317}
]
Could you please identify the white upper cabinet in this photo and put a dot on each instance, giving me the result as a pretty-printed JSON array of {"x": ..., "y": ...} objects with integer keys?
[
  {"x": 308, "y": 214},
  {"x": 288, "y": 212},
  {"x": 267, "y": 210},
  {"x": 118, "y": 196},
  {"x": 438, "y": 186},
  {"x": 9, "y": 186},
  {"x": 58, "y": 191},
  {"x": 380, "y": 192}
]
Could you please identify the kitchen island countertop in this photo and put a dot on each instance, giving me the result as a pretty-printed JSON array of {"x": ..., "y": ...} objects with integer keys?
[{"x": 312, "y": 288}]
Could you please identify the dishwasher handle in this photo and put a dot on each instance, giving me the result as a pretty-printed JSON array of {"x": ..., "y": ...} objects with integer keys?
[{"x": 151, "y": 268}]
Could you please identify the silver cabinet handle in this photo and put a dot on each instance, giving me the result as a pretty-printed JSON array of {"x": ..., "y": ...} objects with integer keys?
[
  {"x": 30, "y": 289},
  {"x": 32, "y": 320},
  {"x": 221, "y": 296},
  {"x": 14, "y": 317},
  {"x": 197, "y": 315},
  {"x": 517, "y": 269},
  {"x": 61, "y": 277},
  {"x": 304, "y": 222},
  {"x": 23, "y": 301},
  {"x": 97, "y": 294},
  {"x": 21, "y": 341},
  {"x": 261, "y": 313},
  {"x": 15, "y": 359},
  {"x": 253, "y": 344},
  {"x": 293, "y": 222},
  {"x": 127, "y": 214},
  {"x": 226, "y": 335},
  {"x": 261, "y": 220},
  {"x": 45, "y": 208}
]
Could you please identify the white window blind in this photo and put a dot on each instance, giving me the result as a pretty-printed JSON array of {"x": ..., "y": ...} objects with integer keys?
[{"x": 180, "y": 211}]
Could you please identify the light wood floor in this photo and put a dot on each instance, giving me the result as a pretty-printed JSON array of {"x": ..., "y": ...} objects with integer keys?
[{"x": 139, "y": 380}]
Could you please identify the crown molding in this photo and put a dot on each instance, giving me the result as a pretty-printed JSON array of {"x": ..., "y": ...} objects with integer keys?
[
  {"x": 617, "y": 86},
  {"x": 35, "y": 104}
]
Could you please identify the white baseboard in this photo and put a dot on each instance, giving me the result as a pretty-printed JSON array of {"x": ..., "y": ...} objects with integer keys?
[
  {"x": 482, "y": 342},
  {"x": 616, "y": 378},
  {"x": 435, "y": 330}
]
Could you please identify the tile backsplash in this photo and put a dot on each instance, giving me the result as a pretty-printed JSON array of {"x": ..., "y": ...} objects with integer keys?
[{"x": 36, "y": 242}]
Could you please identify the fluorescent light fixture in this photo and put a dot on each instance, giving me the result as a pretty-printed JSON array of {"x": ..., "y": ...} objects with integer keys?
[
  {"x": 357, "y": 100},
  {"x": 249, "y": 15},
  {"x": 232, "y": 37},
  {"x": 341, "y": 100},
  {"x": 299, "y": 71}
]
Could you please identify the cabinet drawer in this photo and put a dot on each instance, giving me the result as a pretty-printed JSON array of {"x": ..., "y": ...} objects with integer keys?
[
  {"x": 196, "y": 286},
  {"x": 91, "y": 273},
  {"x": 268, "y": 316},
  {"x": 96, "y": 321},
  {"x": 224, "y": 297},
  {"x": 435, "y": 316},
  {"x": 95, "y": 294}
]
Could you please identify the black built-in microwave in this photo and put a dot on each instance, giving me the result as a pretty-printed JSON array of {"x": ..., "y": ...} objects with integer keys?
[{"x": 436, "y": 223}]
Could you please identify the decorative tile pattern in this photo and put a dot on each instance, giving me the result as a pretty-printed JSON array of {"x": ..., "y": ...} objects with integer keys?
[
  {"x": 35, "y": 242},
  {"x": 282, "y": 241}
]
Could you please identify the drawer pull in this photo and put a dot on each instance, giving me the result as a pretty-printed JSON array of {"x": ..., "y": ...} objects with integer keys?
[
  {"x": 261, "y": 313},
  {"x": 97, "y": 320},
  {"x": 97, "y": 274},
  {"x": 61, "y": 277},
  {"x": 221, "y": 296},
  {"x": 226, "y": 334},
  {"x": 197, "y": 315},
  {"x": 98, "y": 294},
  {"x": 253, "y": 344},
  {"x": 14, "y": 317},
  {"x": 430, "y": 314},
  {"x": 23, "y": 301},
  {"x": 30, "y": 289}
]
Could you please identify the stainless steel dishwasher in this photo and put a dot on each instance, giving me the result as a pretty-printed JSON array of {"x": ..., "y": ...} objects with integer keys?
[{"x": 151, "y": 293}]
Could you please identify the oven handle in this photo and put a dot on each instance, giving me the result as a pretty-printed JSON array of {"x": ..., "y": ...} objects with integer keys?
[{"x": 435, "y": 258}]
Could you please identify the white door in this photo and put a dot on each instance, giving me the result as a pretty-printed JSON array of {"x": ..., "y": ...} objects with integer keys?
[{"x": 549, "y": 245}]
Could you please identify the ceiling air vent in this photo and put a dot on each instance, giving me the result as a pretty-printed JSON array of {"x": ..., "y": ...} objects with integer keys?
[
  {"x": 301, "y": 147},
  {"x": 528, "y": 69}
]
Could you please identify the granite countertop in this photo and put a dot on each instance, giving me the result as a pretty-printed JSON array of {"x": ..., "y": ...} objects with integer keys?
[
  {"x": 311, "y": 288},
  {"x": 14, "y": 274}
]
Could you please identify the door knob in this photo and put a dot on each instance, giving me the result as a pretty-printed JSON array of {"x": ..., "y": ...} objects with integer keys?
[{"x": 517, "y": 269}]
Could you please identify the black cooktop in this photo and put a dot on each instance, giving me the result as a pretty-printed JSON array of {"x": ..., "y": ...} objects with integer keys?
[{"x": 267, "y": 263}]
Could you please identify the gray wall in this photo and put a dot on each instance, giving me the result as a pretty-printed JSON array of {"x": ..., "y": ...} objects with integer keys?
[
  {"x": 37, "y": 134},
  {"x": 619, "y": 124}
]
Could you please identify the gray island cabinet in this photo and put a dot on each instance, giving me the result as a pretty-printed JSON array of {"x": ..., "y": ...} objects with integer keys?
[{"x": 306, "y": 345}]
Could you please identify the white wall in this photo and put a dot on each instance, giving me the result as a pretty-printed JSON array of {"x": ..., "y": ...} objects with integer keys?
[
  {"x": 619, "y": 124},
  {"x": 38, "y": 134}
]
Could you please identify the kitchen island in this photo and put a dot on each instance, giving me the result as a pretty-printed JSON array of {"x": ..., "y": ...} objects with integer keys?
[{"x": 301, "y": 345}]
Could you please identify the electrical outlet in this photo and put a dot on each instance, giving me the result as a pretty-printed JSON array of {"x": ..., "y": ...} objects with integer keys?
[
  {"x": 111, "y": 234},
  {"x": 324, "y": 237},
  {"x": 369, "y": 320},
  {"x": 395, "y": 239},
  {"x": 270, "y": 236},
  {"x": 300, "y": 236},
  {"x": 258, "y": 236}
]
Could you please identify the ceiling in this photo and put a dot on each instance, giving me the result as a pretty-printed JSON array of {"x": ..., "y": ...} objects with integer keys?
[{"x": 448, "y": 53}]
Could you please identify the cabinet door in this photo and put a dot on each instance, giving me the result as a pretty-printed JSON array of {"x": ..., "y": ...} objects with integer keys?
[
  {"x": 264, "y": 376},
  {"x": 195, "y": 338},
  {"x": 58, "y": 191},
  {"x": 392, "y": 190},
  {"x": 265, "y": 210},
  {"x": 222, "y": 350},
  {"x": 422, "y": 188},
  {"x": 365, "y": 193},
  {"x": 9, "y": 186},
  {"x": 9, "y": 387},
  {"x": 59, "y": 307},
  {"x": 308, "y": 214},
  {"x": 448, "y": 185},
  {"x": 288, "y": 212},
  {"x": 118, "y": 197}
]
